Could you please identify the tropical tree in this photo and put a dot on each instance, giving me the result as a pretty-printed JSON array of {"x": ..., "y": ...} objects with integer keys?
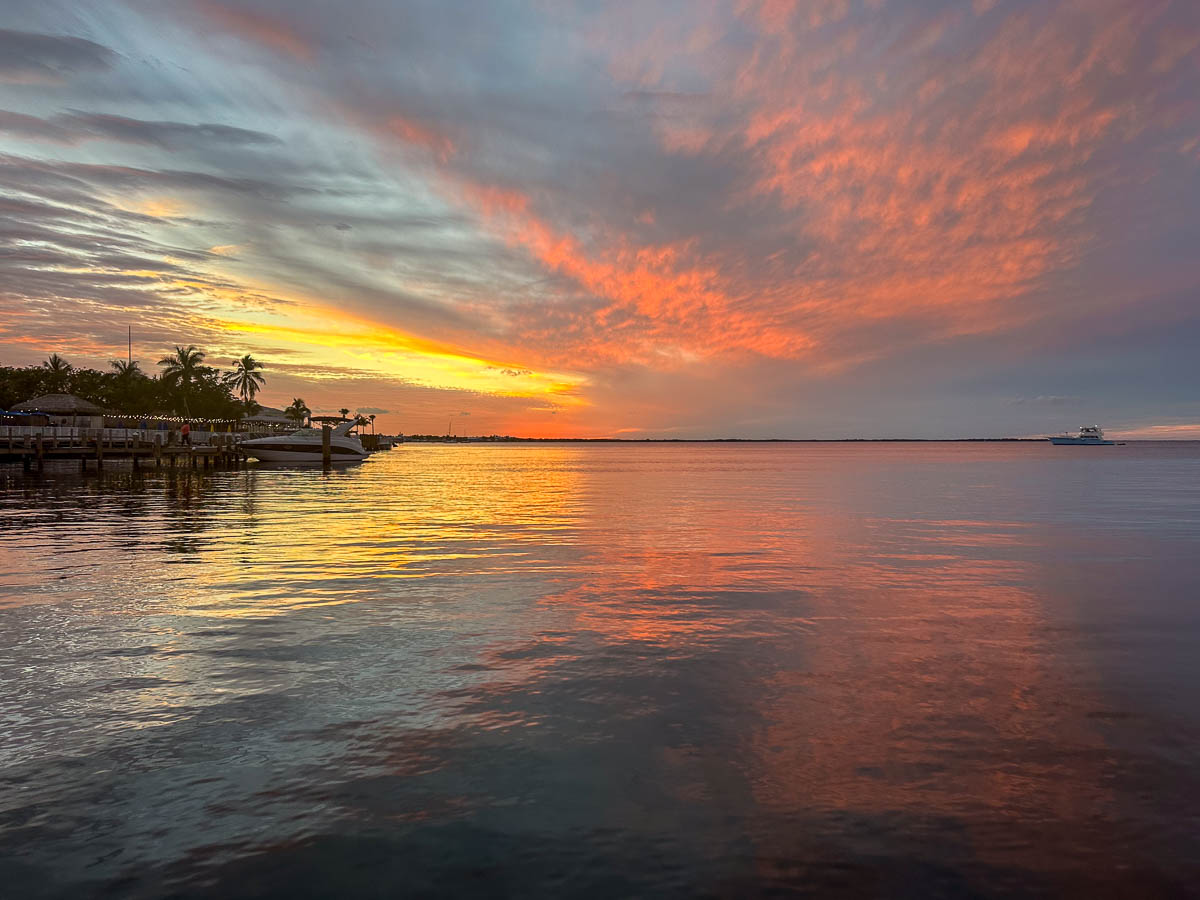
[
  {"x": 297, "y": 412},
  {"x": 181, "y": 371},
  {"x": 344, "y": 411},
  {"x": 245, "y": 379},
  {"x": 372, "y": 418},
  {"x": 128, "y": 389},
  {"x": 17, "y": 385},
  {"x": 56, "y": 371}
]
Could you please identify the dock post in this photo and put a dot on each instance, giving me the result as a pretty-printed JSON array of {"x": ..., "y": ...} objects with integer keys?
[
  {"x": 326, "y": 452},
  {"x": 100, "y": 450},
  {"x": 41, "y": 453},
  {"x": 192, "y": 453},
  {"x": 158, "y": 451}
]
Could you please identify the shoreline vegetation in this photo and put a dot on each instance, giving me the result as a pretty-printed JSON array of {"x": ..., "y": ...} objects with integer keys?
[{"x": 186, "y": 387}]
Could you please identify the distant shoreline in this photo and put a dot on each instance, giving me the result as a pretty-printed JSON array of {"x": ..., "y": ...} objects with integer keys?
[{"x": 570, "y": 440}]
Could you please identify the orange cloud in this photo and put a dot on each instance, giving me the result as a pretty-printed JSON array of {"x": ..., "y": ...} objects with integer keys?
[
  {"x": 916, "y": 204},
  {"x": 1176, "y": 432},
  {"x": 270, "y": 32},
  {"x": 682, "y": 309},
  {"x": 413, "y": 132},
  {"x": 943, "y": 192}
]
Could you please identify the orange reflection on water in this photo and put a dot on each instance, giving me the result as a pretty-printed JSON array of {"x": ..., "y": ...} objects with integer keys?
[{"x": 909, "y": 672}]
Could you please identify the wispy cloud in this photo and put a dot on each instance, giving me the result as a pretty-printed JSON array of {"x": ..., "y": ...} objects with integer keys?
[{"x": 33, "y": 58}]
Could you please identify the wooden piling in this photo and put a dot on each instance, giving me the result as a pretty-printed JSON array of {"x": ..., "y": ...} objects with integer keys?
[{"x": 41, "y": 453}]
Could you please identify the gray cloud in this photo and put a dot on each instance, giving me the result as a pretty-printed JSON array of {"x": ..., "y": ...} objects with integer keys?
[
  {"x": 27, "y": 57},
  {"x": 76, "y": 127},
  {"x": 168, "y": 135},
  {"x": 1047, "y": 400},
  {"x": 23, "y": 126}
]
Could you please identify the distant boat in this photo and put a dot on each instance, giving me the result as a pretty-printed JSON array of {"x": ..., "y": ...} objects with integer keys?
[
  {"x": 1088, "y": 435},
  {"x": 304, "y": 446}
]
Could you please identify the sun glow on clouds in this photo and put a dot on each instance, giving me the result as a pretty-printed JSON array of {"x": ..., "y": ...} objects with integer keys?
[
  {"x": 325, "y": 339},
  {"x": 1180, "y": 432},
  {"x": 155, "y": 207}
]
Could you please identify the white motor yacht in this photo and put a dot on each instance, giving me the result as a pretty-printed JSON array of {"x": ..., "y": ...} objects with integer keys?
[
  {"x": 304, "y": 446},
  {"x": 1089, "y": 435}
]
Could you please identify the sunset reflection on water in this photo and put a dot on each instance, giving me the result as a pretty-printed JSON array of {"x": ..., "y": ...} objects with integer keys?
[{"x": 704, "y": 667}]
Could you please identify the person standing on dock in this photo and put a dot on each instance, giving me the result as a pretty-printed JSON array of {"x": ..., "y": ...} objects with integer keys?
[{"x": 185, "y": 434}]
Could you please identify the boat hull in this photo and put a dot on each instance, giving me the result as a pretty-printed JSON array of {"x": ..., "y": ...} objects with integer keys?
[
  {"x": 1079, "y": 442},
  {"x": 310, "y": 455}
]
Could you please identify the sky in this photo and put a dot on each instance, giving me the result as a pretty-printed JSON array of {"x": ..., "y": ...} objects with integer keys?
[{"x": 756, "y": 218}]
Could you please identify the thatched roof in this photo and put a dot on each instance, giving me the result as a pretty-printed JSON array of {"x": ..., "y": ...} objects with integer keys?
[{"x": 60, "y": 405}]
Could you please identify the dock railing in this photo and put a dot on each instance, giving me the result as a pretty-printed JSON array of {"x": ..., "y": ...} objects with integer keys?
[{"x": 67, "y": 434}]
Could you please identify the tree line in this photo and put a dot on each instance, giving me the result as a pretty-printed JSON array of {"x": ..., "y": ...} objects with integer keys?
[{"x": 185, "y": 386}]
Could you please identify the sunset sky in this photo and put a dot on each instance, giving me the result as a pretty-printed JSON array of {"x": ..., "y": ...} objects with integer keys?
[{"x": 831, "y": 218}]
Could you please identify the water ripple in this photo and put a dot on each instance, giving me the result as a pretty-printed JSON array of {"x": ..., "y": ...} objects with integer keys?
[{"x": 613, "y": 670}]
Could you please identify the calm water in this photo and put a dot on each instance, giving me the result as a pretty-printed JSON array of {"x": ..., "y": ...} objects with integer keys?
[{"x": 638, "y": 670}]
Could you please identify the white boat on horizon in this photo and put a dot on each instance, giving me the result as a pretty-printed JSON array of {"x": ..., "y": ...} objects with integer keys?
[
  {"x": 1089, "y": 435},
  {"x": 304, "y": 446}
]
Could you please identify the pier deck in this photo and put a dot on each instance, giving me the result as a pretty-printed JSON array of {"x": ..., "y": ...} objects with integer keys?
[{"x": 36, "y": 451}]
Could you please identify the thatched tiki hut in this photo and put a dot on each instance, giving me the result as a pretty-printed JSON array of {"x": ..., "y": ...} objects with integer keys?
[{"x": 65, "y": 409}]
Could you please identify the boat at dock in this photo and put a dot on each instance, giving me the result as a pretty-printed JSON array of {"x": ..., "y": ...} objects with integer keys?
[
  {"x": 1089, "y": 435},
  {"x": 305, "y": 446}
]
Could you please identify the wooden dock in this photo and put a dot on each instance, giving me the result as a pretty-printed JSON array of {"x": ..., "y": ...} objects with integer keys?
[{"x": 37, "y": 450}]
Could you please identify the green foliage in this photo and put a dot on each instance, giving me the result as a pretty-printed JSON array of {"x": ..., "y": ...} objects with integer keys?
[
  {"x": 17, "y": 385},
  {"x": 245, "y": 380},
  {"x": 57, "y": 372},
  {"x": 187, "y": 387},
  {"x": 298, "y": 411}
]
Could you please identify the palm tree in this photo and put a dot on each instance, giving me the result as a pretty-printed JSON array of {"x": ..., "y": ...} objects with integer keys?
[
  {"x": 125, "y": 369},
  {"x": 127, "y": 391},
  {"x": 181, "y": 369},
  {"x": 372, "y": 418},
  {"x": 297, "y": 412},
  {"x": 344, "y": 411},
  {"x": 57, "y": 372},
  {"x": 245, "y": 378}
]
